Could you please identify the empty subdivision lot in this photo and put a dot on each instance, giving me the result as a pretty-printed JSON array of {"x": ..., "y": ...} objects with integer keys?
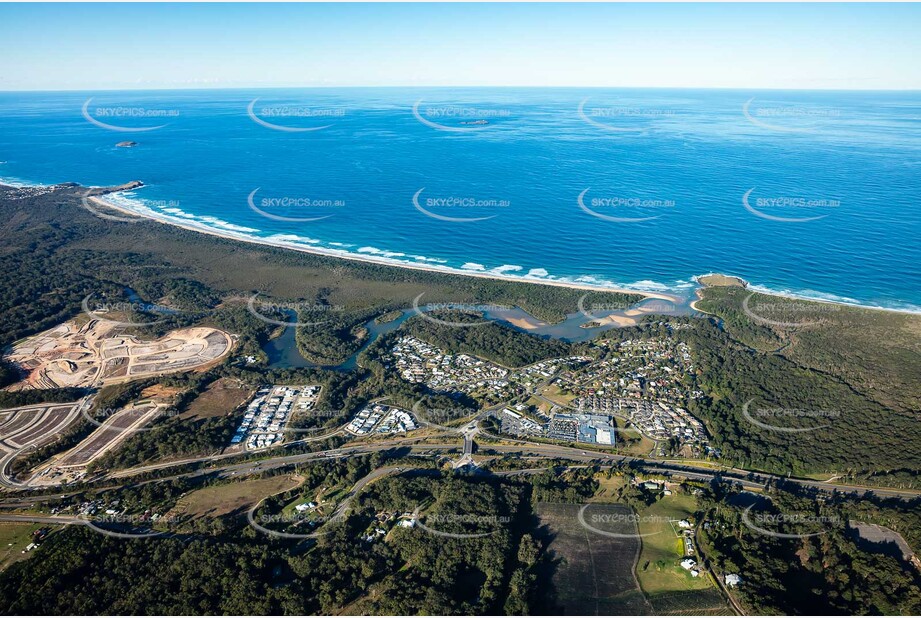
[
  {"x": 593, "y": 573},
  {"x": 220, "y": 399},
  {"x": 112, "y": 432},
  {"x": 231, "y": 498},
  {"x": 35, "y": 425}
]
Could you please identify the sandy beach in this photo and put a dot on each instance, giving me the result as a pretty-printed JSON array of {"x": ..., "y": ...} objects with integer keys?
[
  {"x": 103, "y": 203},
  {"x": 525, "y": 323}
]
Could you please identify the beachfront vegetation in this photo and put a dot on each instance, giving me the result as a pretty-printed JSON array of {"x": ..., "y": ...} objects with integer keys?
[
  {"x": 56, "y": 253},
  {"x": 877, "y": 353}
]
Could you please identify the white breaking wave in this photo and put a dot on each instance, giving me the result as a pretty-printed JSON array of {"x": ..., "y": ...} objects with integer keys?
[
  {"x": 812, "y": 294},
  {"x": 131, "y": 202},
  {"x": 648, "y": 284},
  {"x": 19, "y": 183},
  {"x": 293, "y": 238},
  {"x": 381, "y": 252}
]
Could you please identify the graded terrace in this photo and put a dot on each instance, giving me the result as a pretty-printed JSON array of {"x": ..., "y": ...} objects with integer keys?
[{"x": 433, "y": 445}]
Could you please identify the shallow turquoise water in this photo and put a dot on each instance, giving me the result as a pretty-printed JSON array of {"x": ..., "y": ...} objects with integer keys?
[{"x": 832, "y": 178}]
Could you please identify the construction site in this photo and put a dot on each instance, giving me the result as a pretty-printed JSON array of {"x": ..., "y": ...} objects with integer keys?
[{"x": 87, "y": 353}]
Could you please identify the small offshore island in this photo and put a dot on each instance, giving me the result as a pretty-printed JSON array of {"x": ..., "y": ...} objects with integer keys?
[
  {"x": 493, "y": 309},
  {"x": 139, "y": 354}
]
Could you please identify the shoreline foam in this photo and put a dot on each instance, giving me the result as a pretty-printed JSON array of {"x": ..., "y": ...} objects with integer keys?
[
  {"x": 194, "y": 226},
  {"x": 437, "y": 268}
]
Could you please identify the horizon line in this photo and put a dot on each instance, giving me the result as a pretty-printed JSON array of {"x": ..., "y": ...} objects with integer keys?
[{"x": 447, "y": 87}]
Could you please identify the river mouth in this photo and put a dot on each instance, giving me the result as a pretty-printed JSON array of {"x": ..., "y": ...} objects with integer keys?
[{"x": 577, "y": 327}]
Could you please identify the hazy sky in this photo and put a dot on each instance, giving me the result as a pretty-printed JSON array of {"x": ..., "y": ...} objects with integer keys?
[{"x": 102, "y": 46}]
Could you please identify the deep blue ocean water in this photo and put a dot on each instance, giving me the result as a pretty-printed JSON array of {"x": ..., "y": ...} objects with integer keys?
[{"x": 833, "y": 178}]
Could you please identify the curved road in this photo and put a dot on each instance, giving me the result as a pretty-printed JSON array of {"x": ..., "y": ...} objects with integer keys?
[{"x": 743, "y": 478}]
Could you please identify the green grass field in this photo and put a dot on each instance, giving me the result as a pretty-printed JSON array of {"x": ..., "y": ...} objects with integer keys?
[
  {"x": 14, "y": 537},
  {"x": 670, "y": 588}
]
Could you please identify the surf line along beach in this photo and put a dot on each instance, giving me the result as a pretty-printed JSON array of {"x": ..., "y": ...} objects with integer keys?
[{"x": 100, "y": 201}]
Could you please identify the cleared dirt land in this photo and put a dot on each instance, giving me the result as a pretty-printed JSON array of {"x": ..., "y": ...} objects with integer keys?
[
  {"x": 229, "y": 499},
  {"x": 219, "y": 399},
  {"x": 113, "y": 431},
  {"x": 593, "y": 573},
  {"x": 84, "y": 353},
  {"x": 35, "y": 425}
]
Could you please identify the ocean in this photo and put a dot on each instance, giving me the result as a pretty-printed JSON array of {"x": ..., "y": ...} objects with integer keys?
[{"x": 809, "y": 193}]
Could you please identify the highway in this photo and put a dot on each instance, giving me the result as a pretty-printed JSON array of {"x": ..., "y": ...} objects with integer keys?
[
  {"x": 468, "y": 433},
  {"x": 741, "y": 478}
]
